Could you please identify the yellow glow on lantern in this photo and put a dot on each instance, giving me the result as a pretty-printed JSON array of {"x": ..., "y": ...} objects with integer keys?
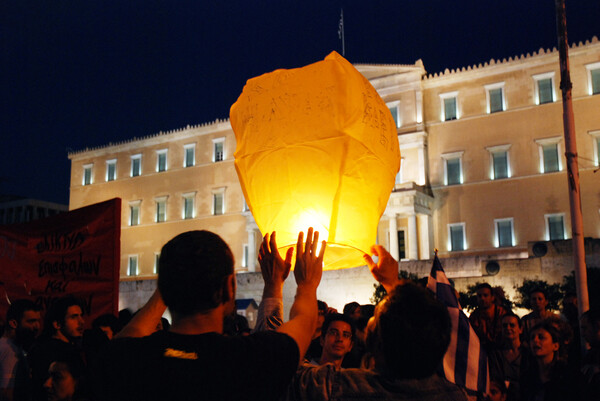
[{"x": 316, "y": 147}]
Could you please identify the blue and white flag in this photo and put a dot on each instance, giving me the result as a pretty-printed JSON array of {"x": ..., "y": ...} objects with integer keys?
[{"x": 465, "y": 362}]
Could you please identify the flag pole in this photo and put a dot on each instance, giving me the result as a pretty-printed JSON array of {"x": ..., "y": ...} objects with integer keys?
[
  {"x": 341, "y": 32},
  {"x": 572, "y": 163}
]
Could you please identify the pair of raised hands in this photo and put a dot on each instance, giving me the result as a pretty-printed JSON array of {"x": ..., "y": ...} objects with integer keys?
[{"x": 309, "y": 262}]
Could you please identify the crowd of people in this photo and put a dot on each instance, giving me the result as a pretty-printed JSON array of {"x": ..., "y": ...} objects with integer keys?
[{"x": 391, "y": 351}]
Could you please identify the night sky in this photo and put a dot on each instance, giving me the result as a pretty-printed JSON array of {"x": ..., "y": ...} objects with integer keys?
[{"x": 83, "y": 73}]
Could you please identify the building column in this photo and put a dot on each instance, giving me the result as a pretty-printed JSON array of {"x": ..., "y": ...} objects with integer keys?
[
  {"x": 393, "y": 230},
  {"x": 251, "y": 250},
  {"x": 412, "y": 238},
  {"x": 421, "y": 160},
  {"x": 425, "y": 238}
]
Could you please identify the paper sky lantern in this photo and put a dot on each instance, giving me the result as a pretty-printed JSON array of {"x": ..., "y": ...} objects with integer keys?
[{"x": 316, "y": 147}]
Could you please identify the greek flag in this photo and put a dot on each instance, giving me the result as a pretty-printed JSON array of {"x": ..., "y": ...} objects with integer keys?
[{"x": 465, "y": 362}]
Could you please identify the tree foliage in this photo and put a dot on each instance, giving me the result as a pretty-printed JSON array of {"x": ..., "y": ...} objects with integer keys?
[
  {"x": 552, "y": 291},
  {"x": 593, "y": 284}
]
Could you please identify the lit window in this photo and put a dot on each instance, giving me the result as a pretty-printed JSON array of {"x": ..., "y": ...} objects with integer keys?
[
  {"x": 218, "y": 206},
  {"x": 555, "y": 226},
  {"x": 218, "y": 149},
  {"x": 499, "y": 162},
  {"x": 87, "y": 174},
  {"x": 189, "y": 159},
  {"x": 136, "y": 165},
  {"x": 188, "y": 205},
  {"x": 161, "y": 209},
  {"x": 161, "y": 160},
  {"x": 132, "y": 265},
  {"x": 449, "y": 106},
  {"x": 495, "y": 97},
  {"x": 549, "y": 150},
  {"x": 111, "y": 170},
  {"x": 134, "y": 213},
  {"x": 456, "y": 237},
  {"x": 544, "y": 88},
  {"x": 453, "y": 168},
  {"x": 593, "y": 71},
  {"x": 504, "y": 232},
  {"x": 395, "y": 110}
]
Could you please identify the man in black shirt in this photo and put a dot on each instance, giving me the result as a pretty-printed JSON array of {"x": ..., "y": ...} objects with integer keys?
[{"x": 193, "y": 360}]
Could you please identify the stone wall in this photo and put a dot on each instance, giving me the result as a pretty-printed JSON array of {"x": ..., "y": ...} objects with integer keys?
[{"x": 339, "y": 287}]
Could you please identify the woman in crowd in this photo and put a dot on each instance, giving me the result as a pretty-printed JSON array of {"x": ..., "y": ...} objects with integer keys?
[{"x": 548, "y": 378}]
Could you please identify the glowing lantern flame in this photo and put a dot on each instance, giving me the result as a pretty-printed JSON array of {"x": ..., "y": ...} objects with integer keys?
[{"x": 316, "y": 147}]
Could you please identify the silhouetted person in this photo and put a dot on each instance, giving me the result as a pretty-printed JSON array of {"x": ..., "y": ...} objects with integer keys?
[
  {"x": 23, "y": 322},
  {"x": 63, "y": 330},
  {"x": 194, "y": 360}
]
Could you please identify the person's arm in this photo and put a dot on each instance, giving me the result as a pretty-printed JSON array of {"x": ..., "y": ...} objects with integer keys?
[
  {"x": 385, "y": 270},
  {"x": 146, "y": 319},
  {"x": 307, "y": 271},
  {"x": 274, "y": 271}
]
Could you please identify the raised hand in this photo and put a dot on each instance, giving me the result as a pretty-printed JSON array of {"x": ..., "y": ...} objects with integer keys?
[
  {"x": 385, "y": 270},
  {"x": 273, "y": 267},
  {"x": 309, "y": 264}
]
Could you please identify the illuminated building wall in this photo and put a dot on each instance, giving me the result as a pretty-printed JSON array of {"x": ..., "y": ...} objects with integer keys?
[{"x": 482, "y": 176}]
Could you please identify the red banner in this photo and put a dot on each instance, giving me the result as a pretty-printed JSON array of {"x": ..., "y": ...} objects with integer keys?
[{"x": 75, "y": 253}]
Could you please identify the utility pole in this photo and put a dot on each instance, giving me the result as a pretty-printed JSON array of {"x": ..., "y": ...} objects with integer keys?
[{"x": 572, "y": 163}]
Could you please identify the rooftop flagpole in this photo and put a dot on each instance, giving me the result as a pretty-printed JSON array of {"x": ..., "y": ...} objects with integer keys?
[
  {"x": 341, "y": 32},
  {"x": 572, "y": 163}
]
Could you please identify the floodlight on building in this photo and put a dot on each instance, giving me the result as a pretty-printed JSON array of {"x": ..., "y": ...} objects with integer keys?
[{"x": 316, "y": 147}]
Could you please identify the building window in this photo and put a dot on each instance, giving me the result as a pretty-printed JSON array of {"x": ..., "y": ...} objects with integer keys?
[
  {"x": 245, "y": 207},
  {"x": 156, "y": 259},
  {"x": 161, "y": 209},
  {"x": 456, "y": 237},
  {"x": 394, "y": 108},
  {"x": 449, "y": 106},
  {"x": 453, "y": 168},
  {"x": 544, "y": 88},
  {"x": 136, "y": 165},
  {"x": 134, "y": 213},
  {"x": 87, "y": 174},
  {"x": 245, "y": 251},
  {"x": 504, "y": 232},
  {"x": 132, "y": 265},
  {"x": 218, "y": 149},
  {"x": 495, "y": 97},
  {"x": 218, "y": 206},
  {"x": 189, "y": 159},
  {"x": 593, "y": 71},
  {"x": 555, "y": 226},
  {"x": 401, "y": 245},
  {"x": 499, "y": 162},
  {"x": 188, "y": 205},
  {"x": 111, "y": 170},
  {"x": 549, "y": 150},
  {"x": 161, "y": 160}
]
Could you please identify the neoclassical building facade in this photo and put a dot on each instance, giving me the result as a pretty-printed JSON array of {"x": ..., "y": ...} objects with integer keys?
[{"x": 482, "y": 172}]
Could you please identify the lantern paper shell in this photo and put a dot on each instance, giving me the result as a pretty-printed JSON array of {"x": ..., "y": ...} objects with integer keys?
[{"x": 316, "y": 147}]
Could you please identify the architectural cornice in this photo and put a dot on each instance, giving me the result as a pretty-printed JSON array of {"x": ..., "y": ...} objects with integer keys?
[
  {"x": 157, "y": 138},
  {"x": 505, "y": 65}
]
